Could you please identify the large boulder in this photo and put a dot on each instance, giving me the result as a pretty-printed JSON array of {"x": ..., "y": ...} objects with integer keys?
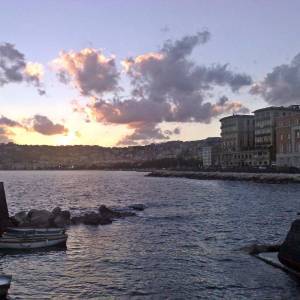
[
  {"x": 56, "y": 211},
  {"x": 95, "y": 219},
  {"x": 61, "y": 219},
  {"x": 76, "y": 220},
  {"x": 289, "y": 251},
  {"x": 20, "y": 219},
  {"x": 39, "y": 218},
  {"x": 108, "y": 213}
]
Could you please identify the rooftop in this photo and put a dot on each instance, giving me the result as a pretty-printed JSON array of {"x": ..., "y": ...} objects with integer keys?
[
  {"x": 285, "y": 108},
  {"x": 236, "y": 117}
]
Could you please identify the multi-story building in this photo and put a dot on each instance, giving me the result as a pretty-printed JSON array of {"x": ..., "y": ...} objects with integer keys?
[
  {"x": 288, "y": 140},
  {"x": 265, "y": 132},
  {"x": 249, "y": 140},
  {"x": 211, "y": 153},
  {"x": 237, "y": 132}
]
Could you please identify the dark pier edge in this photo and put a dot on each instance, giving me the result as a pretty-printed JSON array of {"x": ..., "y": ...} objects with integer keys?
[{"x": 4, "y": 216}]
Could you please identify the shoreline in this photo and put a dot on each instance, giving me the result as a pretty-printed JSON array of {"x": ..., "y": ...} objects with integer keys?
[{"x": 275, "y": 178}]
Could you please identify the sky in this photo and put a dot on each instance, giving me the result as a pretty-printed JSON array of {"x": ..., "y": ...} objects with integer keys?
[{"x": 119, "y": 73}]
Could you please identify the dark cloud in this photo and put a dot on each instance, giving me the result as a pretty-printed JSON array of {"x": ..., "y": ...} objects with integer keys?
[
  {"x": 38, "y": 123},
  {"x": 44, "y": 125},
  {"x": 4, "y": 121},
  {"x": 144, "y": 133},
  {"x": 12, "y": 64},
  {"x": 89, "y": 70},
  {"x": 15, "y": 69},
  {"x": 167, "y": 86},
  {"x": 282, "y": 85}
]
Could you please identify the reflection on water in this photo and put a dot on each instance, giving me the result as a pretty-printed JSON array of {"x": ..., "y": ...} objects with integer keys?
[{"x": 184, "y": 245}]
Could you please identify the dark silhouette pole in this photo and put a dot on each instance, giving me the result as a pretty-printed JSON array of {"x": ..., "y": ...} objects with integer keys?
[{"x": 3, "y": 209}]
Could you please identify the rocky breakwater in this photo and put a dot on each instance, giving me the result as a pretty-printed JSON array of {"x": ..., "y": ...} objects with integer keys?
[
  {"x": 233, "y": 176},
  {"x": 62, "y": 218}
]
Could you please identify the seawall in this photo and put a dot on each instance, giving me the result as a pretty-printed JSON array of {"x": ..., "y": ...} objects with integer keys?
[{"x": 233, "y": 176}]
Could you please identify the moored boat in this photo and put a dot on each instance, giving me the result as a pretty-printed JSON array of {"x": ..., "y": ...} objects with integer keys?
[
  {"x": 33, "y": 231},
  {"x": 32, "y": 241},
  {"x": 5, "y": 281}
]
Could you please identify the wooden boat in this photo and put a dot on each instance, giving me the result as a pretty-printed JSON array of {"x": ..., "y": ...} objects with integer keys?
[
  {"x": 17, "y": 242},
  {"x": 26, "y": 238},
  {"x": 5, "y": 281},
  {"x": 33, "y": 231}
]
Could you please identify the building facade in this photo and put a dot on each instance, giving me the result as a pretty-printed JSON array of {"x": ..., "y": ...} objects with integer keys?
[
  {"x": 211, "y": 156},
  {"x": 252, "y": 140},
  {"x": 237, "y": 133},
  {"x": 265, "y": 131},
  {"x": 288, "y": 141}
]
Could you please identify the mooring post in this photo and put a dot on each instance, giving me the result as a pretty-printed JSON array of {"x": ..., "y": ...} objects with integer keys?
[{"x": 4, "y": 216}]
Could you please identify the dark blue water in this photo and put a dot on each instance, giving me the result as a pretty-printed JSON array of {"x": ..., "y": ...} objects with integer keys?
[{"x": 185, "y": 245}]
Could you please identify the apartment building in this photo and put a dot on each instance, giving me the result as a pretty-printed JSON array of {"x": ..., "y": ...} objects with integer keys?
[
  {"x": 288, "y": 140},
  {"x": 252, "y": 140},
  {"x": 237, "y": 132},
  {"x": 265, "y": 132}
]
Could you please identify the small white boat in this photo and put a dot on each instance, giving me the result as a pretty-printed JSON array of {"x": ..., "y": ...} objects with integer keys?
[
  {"x": 17, "y": 242},
  {"x": 5, "y": 281}
]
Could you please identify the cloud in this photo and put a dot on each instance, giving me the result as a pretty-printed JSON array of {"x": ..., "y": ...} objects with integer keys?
[
  {"x": 15, "y": 69},
  {"x": 5, "y": 135},
  {"x": 4, "y": 121},
  {"x": 144, "y": 133},
  {"x": 167, "y": 86},
  {"x": 282, "y": 85},
  {"x": 89, "y": 70},
  {"x": 38, "y": 123},
  {"x": 45, "y": 126}
]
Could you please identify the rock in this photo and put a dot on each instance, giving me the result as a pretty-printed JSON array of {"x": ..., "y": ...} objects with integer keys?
[
  {"x": 108, "y": 213},
  {"x": 289, "y": 251},
  {"x": 62, "y": 220},
  {"x": 256, "y": 249},
  {"x": 65, "y": 214},
  {"x": 56, "y": 211},
  {"x": 139, "y": 207},
  {"x": 95, "y": 219},
  {"x": 76, "y": 220},
  {"x": 39, "y": 218},
  {"x": 19, "y": 219},
  {"x": 126, "y": 213}
]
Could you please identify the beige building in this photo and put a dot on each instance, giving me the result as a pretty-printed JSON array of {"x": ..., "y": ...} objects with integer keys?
[
  {"x": 237, "y": 132},
  {"x": 265, "y": 132},
  {"x": 288, "y": 141}
]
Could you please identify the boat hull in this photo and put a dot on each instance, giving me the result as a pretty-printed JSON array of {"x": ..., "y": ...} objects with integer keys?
[
  {"x": 34, "y": 231},
  {"x": 19, "y": 244}
]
